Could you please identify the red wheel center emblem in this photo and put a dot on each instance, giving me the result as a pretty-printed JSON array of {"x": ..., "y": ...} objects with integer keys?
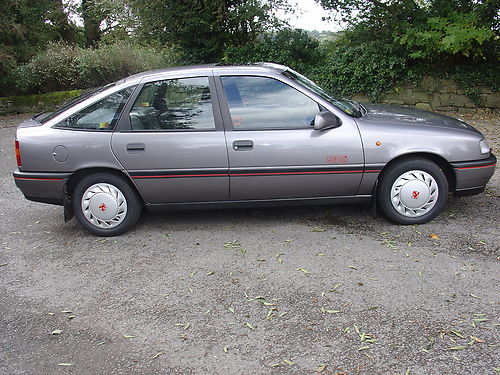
[
  {"x": 103, "y": 207},
  {"x": 415, "y": 194}
]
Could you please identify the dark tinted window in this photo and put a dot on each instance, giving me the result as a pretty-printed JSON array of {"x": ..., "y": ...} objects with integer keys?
[
  {"x": 266, "y": 103},
  {"x": 174, "y": 104},
  {"x": 102, "y": 115}
]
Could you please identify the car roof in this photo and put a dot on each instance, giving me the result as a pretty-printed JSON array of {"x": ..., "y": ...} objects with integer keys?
[{"x": 260, "y": 67}]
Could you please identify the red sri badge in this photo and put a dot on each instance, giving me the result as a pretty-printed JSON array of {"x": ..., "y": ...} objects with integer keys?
[
  {"x": 103, "y": 207},
  {"x": 337, "y": 159},
  {"x": 415, "y": 194}
]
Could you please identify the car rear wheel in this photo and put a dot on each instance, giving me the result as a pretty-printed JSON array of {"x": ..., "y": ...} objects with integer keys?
[
  {"x": 412, "y": 191},
  {"x": 105, "y": 204}
]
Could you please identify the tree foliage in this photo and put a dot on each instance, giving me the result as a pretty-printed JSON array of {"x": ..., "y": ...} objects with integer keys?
[
  {"x": 457, "y": 34},
  {"x": 429, "y": 29},
  {"x": 42, "y": 47},
  {"x": 294, "y": 48},
  {"x": 203, "y": 29},
  {"x": 27, "y": 26}
]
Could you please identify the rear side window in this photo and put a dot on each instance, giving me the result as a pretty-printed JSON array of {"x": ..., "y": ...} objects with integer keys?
[
  {"x": 102, "y": 115},
  {"x": 173, "y": 105}
]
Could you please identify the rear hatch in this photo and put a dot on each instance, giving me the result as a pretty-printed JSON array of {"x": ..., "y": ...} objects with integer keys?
[{"x": 34, "y": 121}]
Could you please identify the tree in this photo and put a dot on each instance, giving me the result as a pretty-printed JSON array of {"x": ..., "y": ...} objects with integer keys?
[
  {"x": 27, "y": 26},
  {"x": 202, "y": 29},
  {"x": 92, "y": 19},
  {"x": 294, "y": 48},
  {"x": 63, "y": 26},
  {"x": 428, "y": 28}
]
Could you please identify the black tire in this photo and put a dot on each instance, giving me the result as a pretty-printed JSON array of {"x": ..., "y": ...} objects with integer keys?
[
  {"x": 399, "y": 208},
  {"x": 110, "y": 187}
]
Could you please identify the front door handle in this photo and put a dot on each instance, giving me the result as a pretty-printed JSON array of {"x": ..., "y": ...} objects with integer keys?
[
  {"x": 242, "y": 145},
  {"x": 135, "y": 147}
]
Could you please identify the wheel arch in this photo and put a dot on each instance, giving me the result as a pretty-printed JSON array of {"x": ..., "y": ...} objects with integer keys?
[
  {"x": 81, "y": 173},
  {"x": 437, "y": 159}
]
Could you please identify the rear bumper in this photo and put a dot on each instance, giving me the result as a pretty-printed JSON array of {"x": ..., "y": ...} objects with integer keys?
[
  {"x": 42, "y": 187},
  {"x": 472, "y": 176}
]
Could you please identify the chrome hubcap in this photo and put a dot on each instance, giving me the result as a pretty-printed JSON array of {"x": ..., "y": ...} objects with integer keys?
[
  {"x": 414, "y": 193},
  {"x": 104, "y": 206}
]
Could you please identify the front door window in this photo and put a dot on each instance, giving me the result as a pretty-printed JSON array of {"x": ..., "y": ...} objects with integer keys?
[{"x": 259, "y": 103}]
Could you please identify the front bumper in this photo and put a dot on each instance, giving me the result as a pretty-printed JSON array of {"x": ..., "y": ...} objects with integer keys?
[
  {"x": 472, "y": 176},
  {"x": 46, "y": 187}
]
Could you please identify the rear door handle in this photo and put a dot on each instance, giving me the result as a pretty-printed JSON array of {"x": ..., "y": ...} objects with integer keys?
[
  {"x": 242, "y": 145},
  {"x": 135, "y": 147}
]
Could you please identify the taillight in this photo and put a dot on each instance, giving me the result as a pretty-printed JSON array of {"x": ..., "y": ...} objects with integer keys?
[{"x": 18, "y": 154}]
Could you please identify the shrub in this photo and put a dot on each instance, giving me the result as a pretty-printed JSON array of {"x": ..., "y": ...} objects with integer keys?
[
  {"x": 63, "y": 67},
  {"x": 343, "y": 67},
  {"x": 53, "y": 70},
  {"x": 293, "y": 48},
  {"x": 113, "y": 62}
]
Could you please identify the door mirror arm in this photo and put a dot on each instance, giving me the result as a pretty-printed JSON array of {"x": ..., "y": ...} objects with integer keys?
[{"x": 326, "y": 120}]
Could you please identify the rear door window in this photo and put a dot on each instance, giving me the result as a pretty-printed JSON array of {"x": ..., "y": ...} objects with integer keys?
[{"x": 181, "y": 104}]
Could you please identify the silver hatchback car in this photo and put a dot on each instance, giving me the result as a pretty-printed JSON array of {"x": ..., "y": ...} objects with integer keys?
[{"x": 223, "y": 136}]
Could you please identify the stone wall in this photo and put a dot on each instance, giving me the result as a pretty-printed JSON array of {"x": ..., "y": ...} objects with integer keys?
[{"x": 440, "y": 95}]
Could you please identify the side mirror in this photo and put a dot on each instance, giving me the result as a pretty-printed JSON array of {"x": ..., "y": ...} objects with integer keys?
[{"x": 326, "y": 120}]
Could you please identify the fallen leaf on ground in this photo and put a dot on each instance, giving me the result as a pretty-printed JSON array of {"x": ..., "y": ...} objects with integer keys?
[
  {"x": 321, "y": 368},
  {"x": 476, "y": 339},
  {"x": 306, "y": 272}
]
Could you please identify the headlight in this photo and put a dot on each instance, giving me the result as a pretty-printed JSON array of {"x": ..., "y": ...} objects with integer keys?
[{"x": 483, "y": 145}]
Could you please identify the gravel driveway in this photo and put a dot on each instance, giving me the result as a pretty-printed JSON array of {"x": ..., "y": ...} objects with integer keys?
[{"x": 327, "y": 290}]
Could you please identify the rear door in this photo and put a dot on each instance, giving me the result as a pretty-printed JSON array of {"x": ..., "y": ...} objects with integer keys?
[
  {"x": 274, "y": 151},
  {"x": 171, "y": 141}
]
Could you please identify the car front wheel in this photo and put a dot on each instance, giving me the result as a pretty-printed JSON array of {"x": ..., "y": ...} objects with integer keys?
[
  {"x": 412, "y": 191},
  {"x": 105, "y": 204}
]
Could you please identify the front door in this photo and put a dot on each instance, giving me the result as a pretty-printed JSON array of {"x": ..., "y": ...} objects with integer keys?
[
  {"x": 274, "y": 151},
  {"x": 172, "y": 144}
]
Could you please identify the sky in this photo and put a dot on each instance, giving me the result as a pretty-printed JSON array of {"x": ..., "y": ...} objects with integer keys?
[{"x": 308, "y": 17}]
